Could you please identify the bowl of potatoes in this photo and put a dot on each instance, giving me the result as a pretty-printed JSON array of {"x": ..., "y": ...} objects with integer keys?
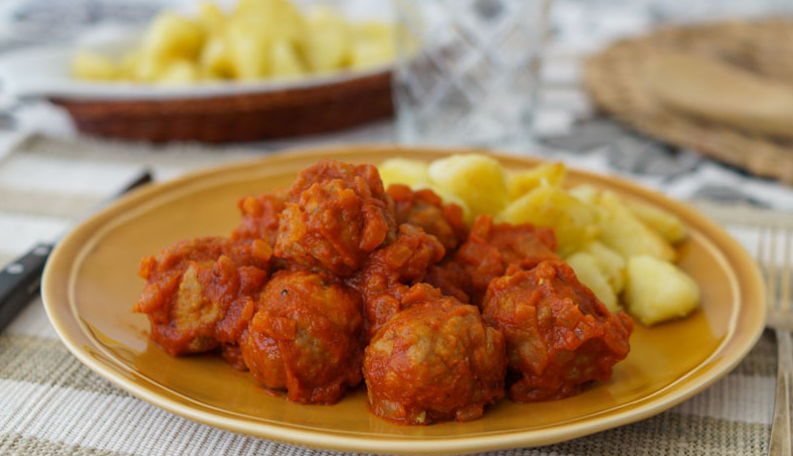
[{"x": 262, "y": 69}]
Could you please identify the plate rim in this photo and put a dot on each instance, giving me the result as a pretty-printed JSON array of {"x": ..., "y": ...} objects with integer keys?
[{"x": 644, "y": 407}]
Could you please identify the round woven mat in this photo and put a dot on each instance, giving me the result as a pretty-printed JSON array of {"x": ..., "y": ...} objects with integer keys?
[{"x": 613, "y": 78}]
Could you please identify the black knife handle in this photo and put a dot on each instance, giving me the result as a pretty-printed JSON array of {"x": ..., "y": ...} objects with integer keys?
[{"x": 20, "y": 281}]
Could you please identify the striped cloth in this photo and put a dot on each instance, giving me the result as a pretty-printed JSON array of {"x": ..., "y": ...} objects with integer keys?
[{"x": 50, "y": 404}]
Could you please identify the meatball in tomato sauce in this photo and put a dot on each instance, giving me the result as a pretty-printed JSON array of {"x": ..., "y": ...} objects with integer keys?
[
  {"x": 390, "y": 271},
  {"x": 200, "y": 292},
  {"x": 559, "y": 336},
  {"x": 336, "y": 214},
  {"x": 306, "y": 337},
  {"x": 434, "y": 361},
  {"x": 259, "y": 217},
  {"x": 491, "y": 248},
  {"x": 424, "y": 209}
]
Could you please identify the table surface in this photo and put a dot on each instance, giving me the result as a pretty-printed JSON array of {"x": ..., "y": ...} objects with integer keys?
[{"x": 51, "y": 404}]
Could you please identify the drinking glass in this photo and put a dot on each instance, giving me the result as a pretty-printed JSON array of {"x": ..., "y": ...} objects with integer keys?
[{"x": 467, "y": 70}]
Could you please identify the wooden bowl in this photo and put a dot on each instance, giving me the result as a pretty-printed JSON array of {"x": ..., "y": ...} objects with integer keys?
[{"x": 251, "y": 116}]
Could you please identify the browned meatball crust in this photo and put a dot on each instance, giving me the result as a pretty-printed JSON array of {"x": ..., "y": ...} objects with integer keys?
[
  {"x": 390, "y": 271},
  {"x": 200, "y": 292},
  {"x": 336, "y": 215},
  {"x": 434, "y": 361},
  {"x": 559, "y": 336},
  {"x": 426, "y": 210},
  {"x": 305, "y": 337}
]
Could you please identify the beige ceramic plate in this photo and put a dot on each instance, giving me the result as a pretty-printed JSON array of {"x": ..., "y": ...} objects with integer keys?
[{"x": 90, "y": 284}]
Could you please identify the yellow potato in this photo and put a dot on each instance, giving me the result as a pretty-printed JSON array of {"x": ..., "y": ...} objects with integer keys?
[
  {"x": 148, "y": 68},
  {"x": 94, "y": 67},
  {"x": 328, "y": 41},
  {"x": 661, "y": 221},
  {"x": 589, "y": 273},
  {"x": 284, "y": 60},
  {"x": 657, "y": 290},
  {"x": 412, "y": 173},
  {"x": 610, "y": 263},
  {"x": 623, "y": 232},
  {"x": 476, "y": 179},
  {"x": 279, "y": 19},
  {"x": 585, "y": 193},
  {"x": 574, "y": 223},
  {"x": 172, "y": 37},
  {"x": 179, "y": 72},
  {"x": 215, "y": 61},
  {"x": 258, "y": 39},
  {"x": 248, "y": 48},
  {"x": 211, "y": 17},
  {"x": 521, "y": 182},
  {"x": 450, "y": 198},
  {"x": 373, "y": 45},
  {"x": 128, "y": 65}
]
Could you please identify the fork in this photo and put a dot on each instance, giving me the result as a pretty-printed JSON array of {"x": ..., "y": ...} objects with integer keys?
[{"x": 780, "y": 318}]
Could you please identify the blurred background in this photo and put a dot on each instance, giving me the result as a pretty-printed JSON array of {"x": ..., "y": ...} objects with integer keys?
[
  {"x": 564, "y": 118},
  {"x": 569, "y": 113}
]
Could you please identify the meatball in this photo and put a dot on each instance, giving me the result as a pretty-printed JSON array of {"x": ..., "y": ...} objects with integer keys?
[
  {"x": 232, "y": 354},
  {"x": 491, "y": 248},
  {"x": 426, "y": 210},
  {"x": 559, "y": 336},
  {"x": 259, "y": 217},
  {"x": 451, "y": 278},
  {"x": 305, "y": 337},
  {"x": 199, "y": 292},
  {"x": 336, "y": 215},
  {"x": 389, "y": 272},
  {"x": 434, "y": 361},
  {"x": 195, "y": 287},
  {"x": 364, "y": 177}
]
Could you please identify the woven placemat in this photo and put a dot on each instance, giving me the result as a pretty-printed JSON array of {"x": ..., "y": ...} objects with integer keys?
[{"x": 613, "y": 77}]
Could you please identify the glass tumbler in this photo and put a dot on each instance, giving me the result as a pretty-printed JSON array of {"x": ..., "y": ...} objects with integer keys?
[{"x": 467, "y": 70}]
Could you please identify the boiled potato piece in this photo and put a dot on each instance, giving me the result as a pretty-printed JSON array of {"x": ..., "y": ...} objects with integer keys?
[
  {"x": 574, "y": 223},
  {"x": 284, "y": 60},
  {"x": 373, "y": 45},
  {"x": 279, "y": 19},
  {"x": 128, "y": 66},
  {"x": 403, "y": 171},
  {"x": 477, "y": 179},
  {"x": 657, "y": 290},
  {"x": 661, "y": 221},
  {"x": 94, "y": 67},
  {"x": 171, "y": 36},
  {"x": 248, "y": 48},
  {"x": 148, "y": 67},
  {"x": 211, "y": 17},
  {"x": 623, "y": 232},
  {"x": 610, "y": 263},
  {"x": 451, "y": 198},
  {"x": 521, "y": 182},
  {"x": 258, "y": 39},
  {"x": 585, "y": 193},
  {"x": 589, "y": 273},
  {"x": 215, "y": 61},
  {"x": 327, "y": 43},
  {"x": 180, "y": 72}
]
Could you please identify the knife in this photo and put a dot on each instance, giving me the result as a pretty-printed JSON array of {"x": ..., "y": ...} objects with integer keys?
[{"x": 20, "y": 279}]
